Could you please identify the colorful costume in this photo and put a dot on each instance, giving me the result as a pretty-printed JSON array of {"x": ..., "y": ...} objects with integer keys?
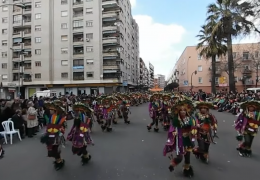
[
  {"x": 80, "y": 132},
  {"x": 53, "y": 138},
  {"x": 108, "y": 107},
  {"x": 247, "y": 125},
  {"x": 166, "y": 111},
  {"x": 125, "y": 111},
  {"x": 181, "y": 136},
  {"x": 155, "y": 109},
  {"x": 207, "y": 129}
]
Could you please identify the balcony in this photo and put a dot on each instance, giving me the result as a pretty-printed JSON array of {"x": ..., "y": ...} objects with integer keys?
[
  {"x": 27, "y": 65},
  {"x": 111, "y": 65},
  {"x": 111, "y": 41},
  {"x": 110, "y": 3},
  {"x": 17, "y": 23},
  {"x": 15, "y": 77},
  {"x": 78, "y": 3},
  {"x": 17, "y": 46},
  {"x": 78, "y": 76},
  {"x": 110, "y": 17},
  {"x": 27, "y": 10},
  {"x": 28, "y": 57},
  {"x": 111, "y": 55},
  {"x": 78, "y": 13},
  {"x": 27, "y": 78},
  {"x": 27, "y": 22},
  {"x": 107, "y": 29},
  {"x": 27, "y": 44},
  {"x": 78, "y": 52},
  {"x": 17, "y": 34},
  {"x": 27, "y": 33},
  {"x": 247, "y": 71},
  {"x": 17, "y": 10},
  {"x": 78, "y": 39}
]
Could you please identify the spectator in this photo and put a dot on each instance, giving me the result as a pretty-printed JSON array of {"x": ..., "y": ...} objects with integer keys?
[{"x": 19, "y": 122}]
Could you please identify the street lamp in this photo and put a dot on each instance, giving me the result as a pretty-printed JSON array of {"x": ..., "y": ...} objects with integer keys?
[{"x": 195, "y": 72}]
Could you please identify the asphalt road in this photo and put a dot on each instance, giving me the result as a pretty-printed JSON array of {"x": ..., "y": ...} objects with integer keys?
[{"x": 130, "y": 152}]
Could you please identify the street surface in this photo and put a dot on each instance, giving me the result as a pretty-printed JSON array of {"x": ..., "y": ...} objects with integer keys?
[{"x": 130, "y": 152}]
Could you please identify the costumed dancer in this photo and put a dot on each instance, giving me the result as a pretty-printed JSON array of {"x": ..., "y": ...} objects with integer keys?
[
  {"x": 80, "y": 133},
  {"x": 207, "y": 130},
  {"x": 155, "y": 108},
  {"x": 107, "y": 113},
  {"x": 247, "y": 125},
  {"x": 166, "y": 111},
  {"x": 181, "y": 136},
  {"x": 54, "y": 136},
  {"x": 125, "y": 111}
]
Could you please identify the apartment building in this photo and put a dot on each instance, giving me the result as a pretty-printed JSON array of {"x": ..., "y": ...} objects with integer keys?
[
  {"x": 159, "y": 81},
  {"x": 143, "y": 74},
  {"x": 151, "y": 76},
  {"x": 246, "y": 64},
  {"x": 68, "y": 46}
]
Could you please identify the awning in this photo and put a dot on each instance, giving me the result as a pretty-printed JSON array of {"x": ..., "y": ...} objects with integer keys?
[{"x": 109, "y": 71}]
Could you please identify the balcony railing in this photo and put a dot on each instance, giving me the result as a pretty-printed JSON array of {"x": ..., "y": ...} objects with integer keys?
[
  {"x": 78, "y": 14},
  {"x": 78, "y": 52},
  {"x": 27, "y": 80},
  {"x": 78, "y": 78},
  {"x": 78, "y": 2},
  {"x": 78, "y": 39}
]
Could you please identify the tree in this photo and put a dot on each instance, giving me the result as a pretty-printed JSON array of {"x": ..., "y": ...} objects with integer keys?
[
  {"x": 231, "y": 17},
  {"x": 171, "y": 86},
  {"x": 210, "y": 47}
]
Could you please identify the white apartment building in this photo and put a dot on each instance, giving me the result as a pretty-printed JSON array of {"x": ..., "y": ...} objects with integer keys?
[
  {"x": 160, "y": 80},
  {"x": 68, "y": 46},
  {"x": 151, "y": 75}
]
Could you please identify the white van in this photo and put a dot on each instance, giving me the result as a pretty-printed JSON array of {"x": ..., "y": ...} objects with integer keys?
[{"x": 253, "y": 89}]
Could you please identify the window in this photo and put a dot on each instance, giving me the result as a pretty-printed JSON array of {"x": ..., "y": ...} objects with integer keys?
[
  {"x": 78, "y": 62},
  {"x": 64, "y": 25},
  {"x": 89, "y": 48},
  {"x": 4, "y": 43},
  {"x": 89, "y": 36},
  {"x": 64, "y": 13},
  {"x": 4, "y": 54},
  {"x": 4, "y": 31},
  {"x": 89, "y": 10},
  {"x": 38, "y": 4},
  {"x": 64, "y": 50},
  {"x": 64, "y": 75},
  {"x": 90, "y": 61},
  {"x": 38, "y": 28},
  {"x": 4, "y": 65},
  {"x": 38, "y": 16},
  {"x": 38, "y": 63},
  {"x": 90, "y": 74},
  {"x": 4, "y": 77},
  {"x": 4, "y": 20},
  {"x": 4, "y": 8},
  {"x": 64, "y": 38},
  {"x": 77, "y": 24},
  {"x": 245, "y": 55},
  {"x": 89, "y": 23},
  {"x": 256, "y": 54},
  {"x": 38, "y": 40},
  {"x": 199, "y": 68},
  {"x": 64, "y": 62},
  {"x": 200, "y": 80},
  {"x": 37, "y": 52},
  {"x": 64, "y": 2},
  {"x": 199, "y": 57},
  {"x": 38, "y": 76}
]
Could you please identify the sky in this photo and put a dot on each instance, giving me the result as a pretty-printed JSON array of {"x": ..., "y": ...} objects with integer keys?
[{"x": 166, "y": 28}]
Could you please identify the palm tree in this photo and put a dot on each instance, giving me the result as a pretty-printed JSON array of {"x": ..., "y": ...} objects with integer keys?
[
  {"x": 210, "y": 47},
  {"x": 231, "y": 17}
]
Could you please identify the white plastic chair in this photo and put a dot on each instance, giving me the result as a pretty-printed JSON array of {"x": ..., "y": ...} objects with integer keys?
[{"x": 10, "y": 131}]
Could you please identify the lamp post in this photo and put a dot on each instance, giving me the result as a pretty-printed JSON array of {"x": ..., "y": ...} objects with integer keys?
[{"x": 195, "y": 72}]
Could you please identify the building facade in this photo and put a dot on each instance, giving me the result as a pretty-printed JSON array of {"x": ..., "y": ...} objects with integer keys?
[
  {"x": 151, "y": 75},
  {"x": 143, "y": 74},
  {"x": 246, "y": 62},
  {"x": 159, "y": 81},
  {"x": 68, "y": 46}
]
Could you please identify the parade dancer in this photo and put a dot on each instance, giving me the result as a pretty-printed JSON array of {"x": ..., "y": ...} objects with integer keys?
[
  {"x": 207, "y": 129},
  {"x": 53, "y": 138},
  {"x": 80, "y": 133},
  {"x": 181, "y": 136},
  {"x": 247, "y": 125},
  {"x": 107, "y": 113},
  {"x": 125, "y": 111},
  {"x": 155, "y": 108},
  {"x": 166, "y": 111}
]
